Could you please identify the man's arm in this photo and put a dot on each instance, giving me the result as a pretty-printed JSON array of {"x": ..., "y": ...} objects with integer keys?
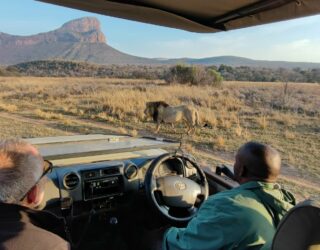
[{"x": 212, "y": 228}]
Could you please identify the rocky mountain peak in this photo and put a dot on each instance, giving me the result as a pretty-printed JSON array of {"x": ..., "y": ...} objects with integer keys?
[
  {"x": 87, "y": 27},
  {"x": 81, "y": 25},
  {"x": 83, "y": 30}
]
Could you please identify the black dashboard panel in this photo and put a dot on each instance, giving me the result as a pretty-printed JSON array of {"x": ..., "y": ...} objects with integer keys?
[{"x": 101, "y": 183}]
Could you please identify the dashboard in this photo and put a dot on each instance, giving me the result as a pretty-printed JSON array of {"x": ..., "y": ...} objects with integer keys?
[{"x": 102, "y": 184}]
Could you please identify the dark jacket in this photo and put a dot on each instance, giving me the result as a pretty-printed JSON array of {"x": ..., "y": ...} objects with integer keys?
[{"x": 23, "y": 228}]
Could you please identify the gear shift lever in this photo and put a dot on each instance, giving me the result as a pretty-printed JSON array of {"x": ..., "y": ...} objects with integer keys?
[{"x": 66, "y": 206}]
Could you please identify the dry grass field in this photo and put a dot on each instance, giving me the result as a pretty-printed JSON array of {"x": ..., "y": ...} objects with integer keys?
[{"x": 286, "y": 116}]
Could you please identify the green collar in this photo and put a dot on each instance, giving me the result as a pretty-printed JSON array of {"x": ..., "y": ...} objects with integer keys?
[{"x": 259, "y": 184}]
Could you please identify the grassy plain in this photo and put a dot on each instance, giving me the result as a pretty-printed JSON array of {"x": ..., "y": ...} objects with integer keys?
[{"x": 286, "y": 116}]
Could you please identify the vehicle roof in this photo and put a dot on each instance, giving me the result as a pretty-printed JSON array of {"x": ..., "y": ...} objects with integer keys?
[{"x": 199, "y": 15}]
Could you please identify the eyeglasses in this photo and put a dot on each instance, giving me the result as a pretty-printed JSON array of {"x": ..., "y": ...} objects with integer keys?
[{"x": 47, "y": 168}]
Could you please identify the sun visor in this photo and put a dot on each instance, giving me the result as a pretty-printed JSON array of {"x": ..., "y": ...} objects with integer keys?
[{"x": 199, "y": 15}]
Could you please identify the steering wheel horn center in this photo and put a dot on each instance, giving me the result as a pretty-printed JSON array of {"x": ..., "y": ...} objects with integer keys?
[
  {"x": 178, "y": 191},
  {"x": 179, "y": 185}
]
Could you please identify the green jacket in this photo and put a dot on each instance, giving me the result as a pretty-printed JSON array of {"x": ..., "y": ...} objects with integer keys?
[{"x": 241, "y": 218}]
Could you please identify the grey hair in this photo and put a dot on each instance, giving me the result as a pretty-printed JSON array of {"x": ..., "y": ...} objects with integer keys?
[{"x": 19, "y": 169}]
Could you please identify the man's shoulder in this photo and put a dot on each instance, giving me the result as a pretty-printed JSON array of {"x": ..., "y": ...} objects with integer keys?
[
  {"x": 236, "y": 194},
  {"x": 250, "y": 195},
  {"x": 46, "y": 239},
  {"x": 19, "y": 231},
  {"x": 25, "y": 235},
  {"x": 237, "y": 200}
]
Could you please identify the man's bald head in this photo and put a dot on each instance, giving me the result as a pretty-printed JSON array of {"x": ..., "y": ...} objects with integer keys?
[
  {"x": 256, "y": 161},
  {"x": 20, "y": 167}
]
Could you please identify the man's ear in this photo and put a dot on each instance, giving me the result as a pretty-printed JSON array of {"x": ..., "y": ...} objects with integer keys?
[
  {"x": 244, "y": 171},
  {"x": 33, "y": 195},
  {"x": 239, "y": 173}
]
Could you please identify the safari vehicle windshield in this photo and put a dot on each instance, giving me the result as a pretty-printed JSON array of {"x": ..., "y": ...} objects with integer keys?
[{"x": 102, "y": 97}]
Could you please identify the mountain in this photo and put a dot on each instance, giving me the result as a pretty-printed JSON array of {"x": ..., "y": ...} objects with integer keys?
[
  {"x": 236, "y": 61},
  {"x": 82, "y": 40},
  {"x": 77, "y": 40}
]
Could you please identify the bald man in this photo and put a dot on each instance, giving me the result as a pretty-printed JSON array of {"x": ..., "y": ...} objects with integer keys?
[
  {"x": 22, "y": 180},
  {"x": 241, "y": 218}
]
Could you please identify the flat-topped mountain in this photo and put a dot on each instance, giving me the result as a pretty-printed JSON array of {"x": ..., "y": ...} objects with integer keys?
[
  {"x": 81, "y": 30},
  {"x": 82, "y": 40},
  {"x": 77, "y": 40}
]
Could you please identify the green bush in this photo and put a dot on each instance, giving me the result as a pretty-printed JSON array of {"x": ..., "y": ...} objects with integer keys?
[
  {"x": 194, "y": 75},
  {"x": 217, "y": 77},
  {"x": 180, "y": 74}
]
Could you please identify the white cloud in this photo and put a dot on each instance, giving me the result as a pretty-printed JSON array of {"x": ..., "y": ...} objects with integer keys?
[
  {"x": 300, "y": 44},
  {"x": 300, "y": 50}
]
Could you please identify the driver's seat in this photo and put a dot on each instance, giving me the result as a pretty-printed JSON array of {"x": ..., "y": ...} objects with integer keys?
[{"x": 299, "y": 229}]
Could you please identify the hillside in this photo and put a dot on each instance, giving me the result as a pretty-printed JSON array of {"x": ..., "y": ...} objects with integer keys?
[
  {"x": 82, "y": 40},
  {"x": 83, "y": 69},
  {"x": 236, "y": 61},
  {"x": 57, "y": 68}
]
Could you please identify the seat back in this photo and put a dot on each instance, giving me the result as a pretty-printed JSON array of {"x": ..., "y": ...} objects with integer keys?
[{"x": 299, "y": 229}]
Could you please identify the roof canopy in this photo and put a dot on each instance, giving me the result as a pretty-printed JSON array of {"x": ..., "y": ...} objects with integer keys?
[{"x": 199, "y": 15}]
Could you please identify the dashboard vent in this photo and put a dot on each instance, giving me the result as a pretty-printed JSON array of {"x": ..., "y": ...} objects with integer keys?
[
  {"x": 131, "y": 171},
  {"x": 71, "y": 180}
]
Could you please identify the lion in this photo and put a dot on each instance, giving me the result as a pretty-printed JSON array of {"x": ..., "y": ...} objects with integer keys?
[{"x": 161, "y": 112}]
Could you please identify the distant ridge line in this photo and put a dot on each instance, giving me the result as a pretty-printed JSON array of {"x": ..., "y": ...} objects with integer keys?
[{"x": 82, "y": 40}]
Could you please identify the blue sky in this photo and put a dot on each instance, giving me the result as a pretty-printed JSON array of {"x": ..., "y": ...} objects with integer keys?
[{"x": 295, "y": 40}]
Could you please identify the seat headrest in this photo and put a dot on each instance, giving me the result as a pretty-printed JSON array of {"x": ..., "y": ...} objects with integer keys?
[{"x": 300, "y": 228}]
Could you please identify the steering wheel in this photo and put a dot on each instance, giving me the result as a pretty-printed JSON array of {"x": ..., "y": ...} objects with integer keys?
[{"x": 167, "y": 193}]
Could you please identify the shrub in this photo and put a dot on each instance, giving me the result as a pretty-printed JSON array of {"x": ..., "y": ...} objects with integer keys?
[
  {"x": 47, "y": 115},
  {"x": 219, "y": 143},
  {"x": 289, "y": 135},
  {"x": 215, "y": 76},
  {"x": 194, "y": 75},
  {"x": 262, "y": 122},
  {"x": 8, "y": 107},
  {"x": 179, "y": 74}
]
